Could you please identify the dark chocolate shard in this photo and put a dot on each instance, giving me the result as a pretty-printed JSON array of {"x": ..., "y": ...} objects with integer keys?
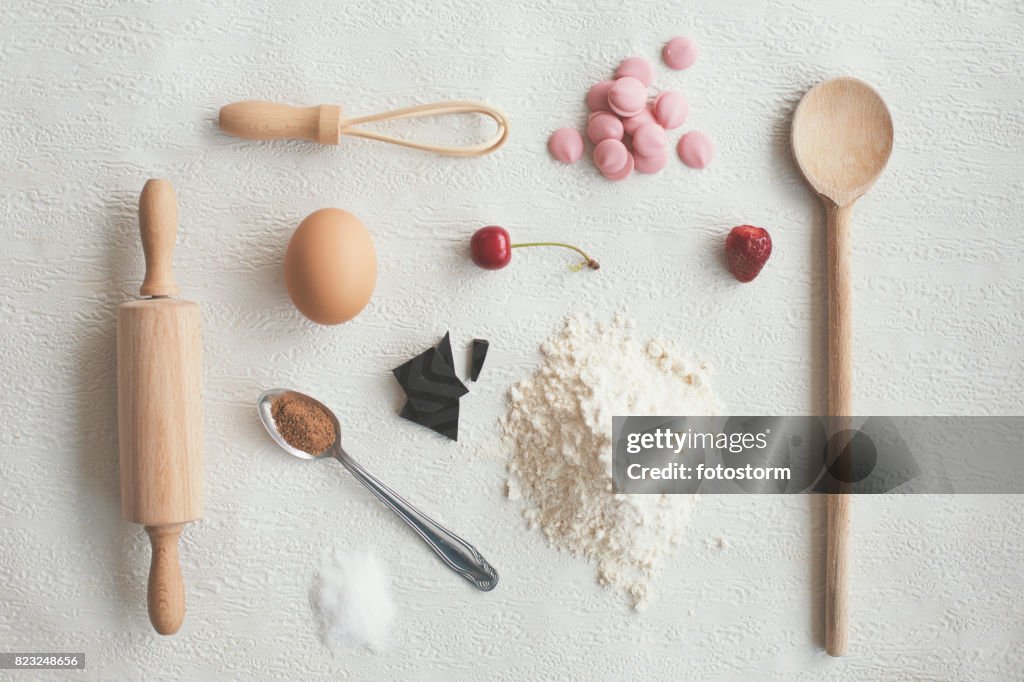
[
  {"x": 408, "y": 368},
  {"x": 445, "y": 349},
  {"x": 429, "y": 381},
  {"x": 444, "y": 421},
  {"x": 480, "y": 347},
  {"x": 434, "y": 385}
]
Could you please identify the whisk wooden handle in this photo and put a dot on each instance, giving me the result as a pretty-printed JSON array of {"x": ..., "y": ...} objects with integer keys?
[
  {"x": 255, "y": 120},
  {"x": 166, "y": 592},
  {"x": 158, "y": 226}
]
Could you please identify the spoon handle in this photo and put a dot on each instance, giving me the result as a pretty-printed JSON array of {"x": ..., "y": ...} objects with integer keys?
[
  {"x": 840, "y": 325},
  {"x": 840, "y": 409},
  {"x": 459, "y": 555}
]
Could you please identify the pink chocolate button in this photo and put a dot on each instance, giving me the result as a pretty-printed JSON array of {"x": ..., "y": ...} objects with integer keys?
[
  {"x": 670, "y": 110},
  {"x": 696, "y": 149},
  {"x": 566, "y": 145},
  {"x": 651, "y": 164},
  {"x": 679, "y": 53},
  {"x": 627, "y": 96},
  {"x": 597, "y": 97},
  {"x": 610, "y": 156},
  {"x": 637, "y": 67},
  {"x": 623, "y": 172},
  {"x": 633, "y": 122},
  {"x": 604, "y": 125},
  {"x": 649, "y": 139}
]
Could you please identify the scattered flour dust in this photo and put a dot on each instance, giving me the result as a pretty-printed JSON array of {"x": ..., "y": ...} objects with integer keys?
[
  {"x": 352, "y": 598},
  {"x": 559, "y": 433}
]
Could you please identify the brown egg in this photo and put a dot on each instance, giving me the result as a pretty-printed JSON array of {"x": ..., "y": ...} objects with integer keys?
[{"x": 330, "y": 267}]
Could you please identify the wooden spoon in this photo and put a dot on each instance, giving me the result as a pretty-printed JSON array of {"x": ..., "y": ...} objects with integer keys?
[{"x": 842, "y": 138}]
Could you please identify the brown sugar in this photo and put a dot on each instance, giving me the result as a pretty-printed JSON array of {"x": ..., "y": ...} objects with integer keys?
[{"x": 303, "y": 423}]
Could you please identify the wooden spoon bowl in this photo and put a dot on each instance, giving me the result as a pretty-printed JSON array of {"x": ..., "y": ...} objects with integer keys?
[{"x": 842, "y": 138}]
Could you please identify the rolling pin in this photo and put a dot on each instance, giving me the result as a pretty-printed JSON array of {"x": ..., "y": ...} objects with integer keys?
[{"x": 159, "y": 407}]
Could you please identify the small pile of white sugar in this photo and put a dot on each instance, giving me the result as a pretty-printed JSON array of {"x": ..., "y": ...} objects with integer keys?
[
  {"x": 353, "y": 601},
  {"x": 559, "y": 431}
]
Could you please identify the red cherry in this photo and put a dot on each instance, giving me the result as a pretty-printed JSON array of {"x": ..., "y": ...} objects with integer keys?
[{"x": 491, "y": 247}]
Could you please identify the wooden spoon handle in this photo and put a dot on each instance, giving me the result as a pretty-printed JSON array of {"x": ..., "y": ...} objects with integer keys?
[
  {"x": 840, "y": 360},
  {"x": 166, "y": 593},
  {"x": 257, "y": 120},
  {"x": 158, "y": 226},
  {"x": 840, "y": 408},
  {"x": 836, "y": 589}
]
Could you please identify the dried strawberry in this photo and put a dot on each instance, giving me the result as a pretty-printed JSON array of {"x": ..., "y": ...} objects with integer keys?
[{"x": 748, "y": 248}]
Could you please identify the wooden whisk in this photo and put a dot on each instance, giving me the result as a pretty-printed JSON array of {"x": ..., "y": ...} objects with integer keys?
[{"x": 325, "y": 124}]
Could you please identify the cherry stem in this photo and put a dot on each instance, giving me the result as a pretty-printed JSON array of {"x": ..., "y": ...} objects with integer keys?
[{"x": 587, "y": 260}]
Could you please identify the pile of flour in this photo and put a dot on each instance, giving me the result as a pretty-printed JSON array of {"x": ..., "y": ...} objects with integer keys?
[{"x": 559, "y": 431}]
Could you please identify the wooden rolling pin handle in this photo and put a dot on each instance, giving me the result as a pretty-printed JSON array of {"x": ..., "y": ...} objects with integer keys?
[
  {"x": 158, "y": 225},
  {"x": 256, "y": 120},
  {"x": 840, "y": 409},
  {"x": 166, "y": 593}
]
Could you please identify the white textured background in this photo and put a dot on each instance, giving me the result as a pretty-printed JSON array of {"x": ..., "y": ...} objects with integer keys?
[{"x": 99, "y": 95}]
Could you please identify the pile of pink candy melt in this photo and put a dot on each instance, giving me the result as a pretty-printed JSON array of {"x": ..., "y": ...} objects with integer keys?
[{"x": 627, "y": 126}]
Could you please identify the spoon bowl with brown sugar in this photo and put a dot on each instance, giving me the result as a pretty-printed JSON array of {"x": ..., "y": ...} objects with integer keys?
[
  {"x": 842, "y": 138},
  {"x": 304, "y": 427}
]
